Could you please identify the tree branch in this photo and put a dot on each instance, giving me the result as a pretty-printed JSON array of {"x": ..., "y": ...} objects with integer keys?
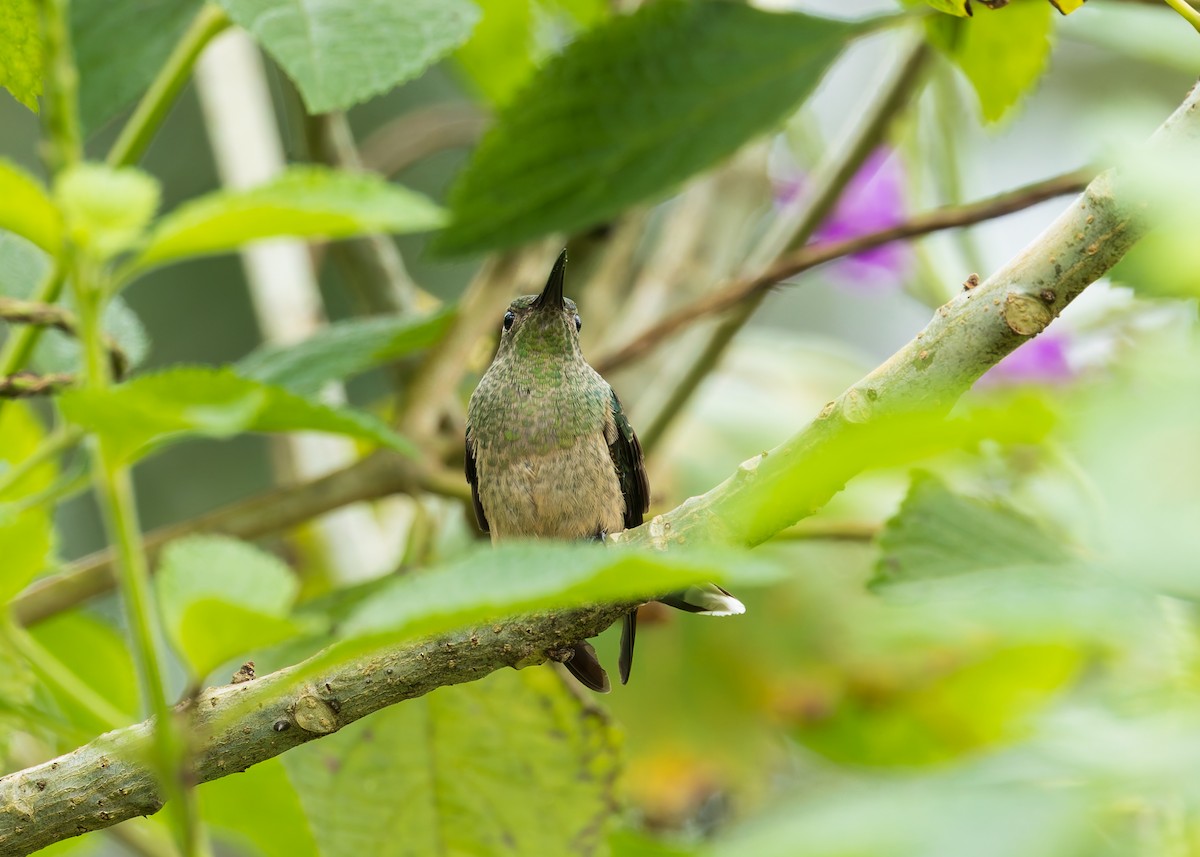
[
  {"x": 105, "y": 781},
  {"x": 738, "y": 290},
  {"x": 23, "y": 385}
]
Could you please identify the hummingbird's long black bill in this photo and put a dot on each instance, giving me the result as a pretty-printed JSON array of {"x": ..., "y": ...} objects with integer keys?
[{"x": 552, "y": 296}]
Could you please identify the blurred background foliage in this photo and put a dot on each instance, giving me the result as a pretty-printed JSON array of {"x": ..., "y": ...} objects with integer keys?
[{"x": 993, "y": 653}]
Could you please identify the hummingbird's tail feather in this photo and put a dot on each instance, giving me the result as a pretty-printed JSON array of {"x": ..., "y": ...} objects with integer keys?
[
  {"x": 628, "y": 633},
  {"x": 707, "y": 599},
  {"x": 585, "y": 666}
]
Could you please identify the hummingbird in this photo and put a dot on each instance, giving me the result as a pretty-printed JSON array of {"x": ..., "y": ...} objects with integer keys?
[{"x": 551, "y": 454}]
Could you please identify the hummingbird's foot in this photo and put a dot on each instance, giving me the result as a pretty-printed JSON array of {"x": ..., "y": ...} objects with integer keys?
[{"x": 561, "y": 655}]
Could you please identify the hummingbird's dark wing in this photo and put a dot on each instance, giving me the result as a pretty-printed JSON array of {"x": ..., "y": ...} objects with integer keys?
[
  {"x": 473, "y": 479},
  {"x": 627, "y": 456}
]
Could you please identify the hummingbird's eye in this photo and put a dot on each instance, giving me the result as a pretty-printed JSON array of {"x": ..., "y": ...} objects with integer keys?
[
  {"x": 578, "y": 324},
  {"x": 509, "y": 318}
]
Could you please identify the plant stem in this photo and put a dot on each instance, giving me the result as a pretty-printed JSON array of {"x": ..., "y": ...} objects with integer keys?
[
  {"x": 157, "y": 101},
  {"x": 114, "y": 488},
  {"x": 1186, "y": 10},
  {"x": 65, "y": 143},
  {"x": 19, "y": 346}
]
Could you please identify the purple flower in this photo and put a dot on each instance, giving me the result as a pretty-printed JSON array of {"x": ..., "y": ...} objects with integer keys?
[
  {"x": 1041, "y": 360},
  {"x": 873, "y": 200}
]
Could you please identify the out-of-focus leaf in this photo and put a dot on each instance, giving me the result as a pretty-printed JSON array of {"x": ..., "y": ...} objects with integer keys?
[
  {"x": 520, "y": 577},
  {"x": 948, "y": 704},
  {"x": 506, "y": 45},
  {"x": 512, "y": 765},
  {"x": 1066, "y": 7},
  {"x": 97, "y": 653},
  {"x": 22, "y": 265},
  {"x": 343, "y": 349},
  {"x": 938, "y": 533},
  {"x": 106, "y": 209},
  {"x": 16, "y": 696},
  {"x": 937, "y": 815},
  {"x": 258, "y": 811},
  {"x": 110, "y": 79},
  {"x": 631, "y": 109},
  {"x": 21, "y": 48},
  {"x": 304, "y": 201},
  {"x": 194, "y": 400},
  {"x": 221, "y": 598},
  {"x": 25, "y": 537},
  {"x": 26, "y": 208},
  {"x": 341, "y": 54},
  {"x": 1002, "y": 52},
  {"x": 961, "y": 8}
]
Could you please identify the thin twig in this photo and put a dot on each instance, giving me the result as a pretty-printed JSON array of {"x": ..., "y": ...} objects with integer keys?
[
  {"x": 371, "y": 478},
  {"x": 416, "y": 135},
  {"x": 19, "y": 347},
  {"x": 41, "y": 314},
  {"x": 796, "y": 262},
  {"x": 1186, "y": 11},
  {"x": 24, "y": 385},
  {"x": 153, "y": 108}
]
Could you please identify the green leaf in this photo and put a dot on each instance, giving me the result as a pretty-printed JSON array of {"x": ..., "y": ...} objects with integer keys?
[
  {"x": 221, "y": 598},
  {"x": 341, "y": 54},
  {"x": 195, "y": 400},
  {"x": 57, "y": 351},
  {"x": 106, "y": 209},
  {"x": 512, "y": 765},
  {"x": 343, "y": 349},
  {"x": 26, "y": 208},
  {"x": 258, "y": 811},
  {"x": 110, "y": 78},
  {"x": 696, "y": 81},
  {"x": 505, "y": 48},
  {"x": 26, "y": 537},
  {"x": 21, "y": 48},
  {"x": 308, "y": 202},
  {"x": 95, "y": 652},
  {"x": 961, "y": 8},
  {"x": 520, "y": 577},
  {"x": 938, "y": 533},
  {"x": 1002, "y": 52}
]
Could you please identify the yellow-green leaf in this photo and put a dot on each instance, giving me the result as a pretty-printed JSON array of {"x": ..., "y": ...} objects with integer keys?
[
  {"x": 26, "y": 208},
  {"x": 21, "y": 51},
  {"x": 106, "y": 209}
]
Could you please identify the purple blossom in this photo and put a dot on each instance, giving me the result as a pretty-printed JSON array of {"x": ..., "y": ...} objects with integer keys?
[
  {"x": 873, "y": 200},
  {"x": 1041, "y": 360}
]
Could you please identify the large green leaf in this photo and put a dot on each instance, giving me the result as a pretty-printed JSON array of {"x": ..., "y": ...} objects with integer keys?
[
  {"x": 119, "y": 46},
  {"x": 510, "y": 765},
  {"x": 1002, "y": 52},
  {"x": 195, "y": 400},
  {"x": 342, "y": 53},
  {"x": 938, "y": 533},
  {"x": 520, "y": 577},
  {"x": 308, "y": 202},
  {"x": 21, "y": 48},
  {"x": 343, "y": 349},
  {"x": 97, "y": 653},
  {"x": 259, "y": 811},
  {"x": 221, "y": 598},
  {"x": 26, "y": 208},
  {"x": 631, "y": 109}
]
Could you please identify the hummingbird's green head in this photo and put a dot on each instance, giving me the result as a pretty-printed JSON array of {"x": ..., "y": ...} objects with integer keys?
[{"x": 542, "y": 325}]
